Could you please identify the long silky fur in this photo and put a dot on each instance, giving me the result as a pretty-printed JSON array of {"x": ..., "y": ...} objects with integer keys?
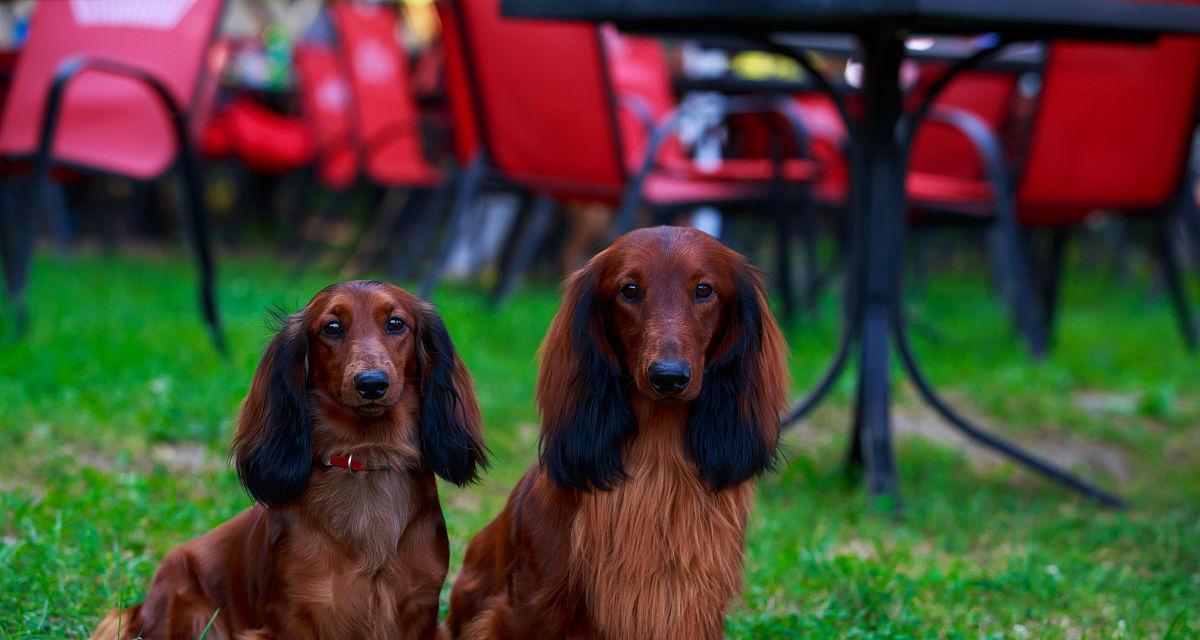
[
  {"x": 726, "y": 429},
  {"x": 447, "y": 443},
  {"x": 581, "y": 446},
  {"x": 273, "y": 447}
]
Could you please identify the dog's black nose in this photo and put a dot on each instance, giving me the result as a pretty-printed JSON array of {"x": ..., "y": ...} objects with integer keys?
[
  {"x": 371, "y": 385},
  {"x": 670, "y": 376}
]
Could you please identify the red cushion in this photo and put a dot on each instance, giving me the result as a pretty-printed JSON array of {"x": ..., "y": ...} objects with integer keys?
[
  {"x": 949, "y": 191},
  {"x": 215, "y": 141},
  {"x": 267, "y": 141},
  {"x": 746, "y": 169},
  {"x": 664, "y": 189}
]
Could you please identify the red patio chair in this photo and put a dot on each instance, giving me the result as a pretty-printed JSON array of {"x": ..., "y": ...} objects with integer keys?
[
  {"x": 325, "y": 99},
  {"x": 1113, "y": 130},
  {"x": 1090, "y": 147},
  {"x": 385, "y": 124},
  {"x": 109, "y": 86},
  {"x": 554, "y": 117},
  {"x": 948, "y": 181},
  {"x": 385, "y": 115}
]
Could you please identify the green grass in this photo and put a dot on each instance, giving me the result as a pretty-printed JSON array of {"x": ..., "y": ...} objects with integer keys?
[{"x": 115, "y": 415}]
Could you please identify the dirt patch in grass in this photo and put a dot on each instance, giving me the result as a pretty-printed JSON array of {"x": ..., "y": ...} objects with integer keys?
[
  {"x": 915, "y": 419},
  {"x": 1061, "y": 448},
  {"x": 176, "y": 458}
]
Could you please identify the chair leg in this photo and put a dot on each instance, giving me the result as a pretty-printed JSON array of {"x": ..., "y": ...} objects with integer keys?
[
  {"x": 1052, "y": 283},
  {"x": 196, "y": 216},
  {"x": 468, "y": 188},
  {"x": 308, "y": 244},
  {"x": 631, "y": 201},
  {"x": 21, "y": 224},
  {"x": 529, "y": 238},
  {"x": 54, "y": 198},
  {"x": 376, "y": 232},
  {"x": 783, "y": 261},
  {"x": 419, "y": 232},
  {"x": 918, "y": 274},
  {"x": 1168, "y": 262},
  {"x": 1191, "y": 220},
  {"x": 11, "y": 240},
  {"x": 810, "y": 235},
  {"x": 1019, "y": 280}
]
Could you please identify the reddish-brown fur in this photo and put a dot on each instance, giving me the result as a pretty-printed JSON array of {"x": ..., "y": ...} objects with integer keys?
[
  {"x": 354, "y": 555},
  {"x": 654, "y": 552}
]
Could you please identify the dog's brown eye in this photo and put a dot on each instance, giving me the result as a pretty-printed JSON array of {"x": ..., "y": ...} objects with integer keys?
[
  {"x": 630, "y": 292},
  {"x": 703, "y": 290},
  {"x": 333, "y": 329},
  {"x": 395, "y": 325}
]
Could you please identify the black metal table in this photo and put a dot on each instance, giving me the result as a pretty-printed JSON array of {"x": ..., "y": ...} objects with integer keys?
[{"x": 874, "y": 318}]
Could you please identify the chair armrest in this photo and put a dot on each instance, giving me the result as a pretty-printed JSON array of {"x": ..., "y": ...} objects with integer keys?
[
  {"x": 986, "y": 144},
  {"x": 729, "y": 106},
  {"x": 70, "y": 69},
  {"x": 639, "y": 109}
]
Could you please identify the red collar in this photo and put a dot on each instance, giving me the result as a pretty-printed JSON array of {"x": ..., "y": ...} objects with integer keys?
[{"x": 347, "y": 461}]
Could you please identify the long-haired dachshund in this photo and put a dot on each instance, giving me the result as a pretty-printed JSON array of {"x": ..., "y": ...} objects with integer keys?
[
  {"x": 358, "y": 401},
  {"x": 661, "y": 386}
]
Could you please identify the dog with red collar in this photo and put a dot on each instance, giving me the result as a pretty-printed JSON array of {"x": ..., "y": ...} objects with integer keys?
[{"x": 358, "y": 402}]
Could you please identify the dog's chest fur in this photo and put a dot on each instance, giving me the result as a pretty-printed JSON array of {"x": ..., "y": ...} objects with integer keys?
[
  {"x": 366, "y": 511},
  {"x": 660, "y": 556},
  {"x": 346, "y": 572}
]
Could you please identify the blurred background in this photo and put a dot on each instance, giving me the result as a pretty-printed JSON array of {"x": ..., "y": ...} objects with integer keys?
[{"x": 170, "y": 170}]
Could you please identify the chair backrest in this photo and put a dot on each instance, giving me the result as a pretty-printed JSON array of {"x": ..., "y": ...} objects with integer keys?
[
  {"x": 987, "y": 95},
  {"x": 109, "y": 122},
  {"x": 641, "y": 80},
  {"x": 325, "y": 99},
  {"x": 547, "y": 105},
  {"x": 386, "y": 120},
  {"x": 460, "y": 95},
  {"x": 1112, "y": 128}
]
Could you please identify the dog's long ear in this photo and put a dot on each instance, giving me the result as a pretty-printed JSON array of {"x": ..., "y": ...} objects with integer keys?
[
  {"x": 272, "y": 445},
  {"x": 733, "y": 426},
  {"x": 581, "y": 391},
  {"x": 451, "y": 425}
]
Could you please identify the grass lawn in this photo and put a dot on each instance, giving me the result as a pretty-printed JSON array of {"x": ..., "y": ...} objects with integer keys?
[{"x": 115, "y": 416}]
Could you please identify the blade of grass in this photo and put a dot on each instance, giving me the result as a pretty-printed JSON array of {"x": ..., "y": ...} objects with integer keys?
[{"x": 210, "y": 623}]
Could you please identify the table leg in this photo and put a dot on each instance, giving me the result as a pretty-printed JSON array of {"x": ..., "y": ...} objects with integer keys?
[
  {"x": 879, "y": 212},
  {"x": 878, "y": 215}
]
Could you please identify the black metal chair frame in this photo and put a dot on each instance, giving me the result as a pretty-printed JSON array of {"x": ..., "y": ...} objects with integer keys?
[
  {"x": 414, "y": 206},
  {"x": 873, "y": 312},
  {"x": 20, "y": 231},
  {"x": 1033, "y": 282},
  {"x": 528, "y": 233}
]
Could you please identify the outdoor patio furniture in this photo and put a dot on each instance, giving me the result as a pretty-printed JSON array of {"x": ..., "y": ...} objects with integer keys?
[
  {"x": 360, "y": 107},
  {"x": 325, "y": 103},
  {"x": 874, "y": 317},
  {"x": 109, "y": 87},
  {"x": 1088, "y": 146},
  {"x": 1112, "y": 130},
  {"x": 548, "y": 116}
]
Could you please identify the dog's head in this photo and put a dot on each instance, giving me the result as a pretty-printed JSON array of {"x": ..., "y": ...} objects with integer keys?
[
  {"x": 359, "y": 355},
  {"x": 674, "y": 316}
]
